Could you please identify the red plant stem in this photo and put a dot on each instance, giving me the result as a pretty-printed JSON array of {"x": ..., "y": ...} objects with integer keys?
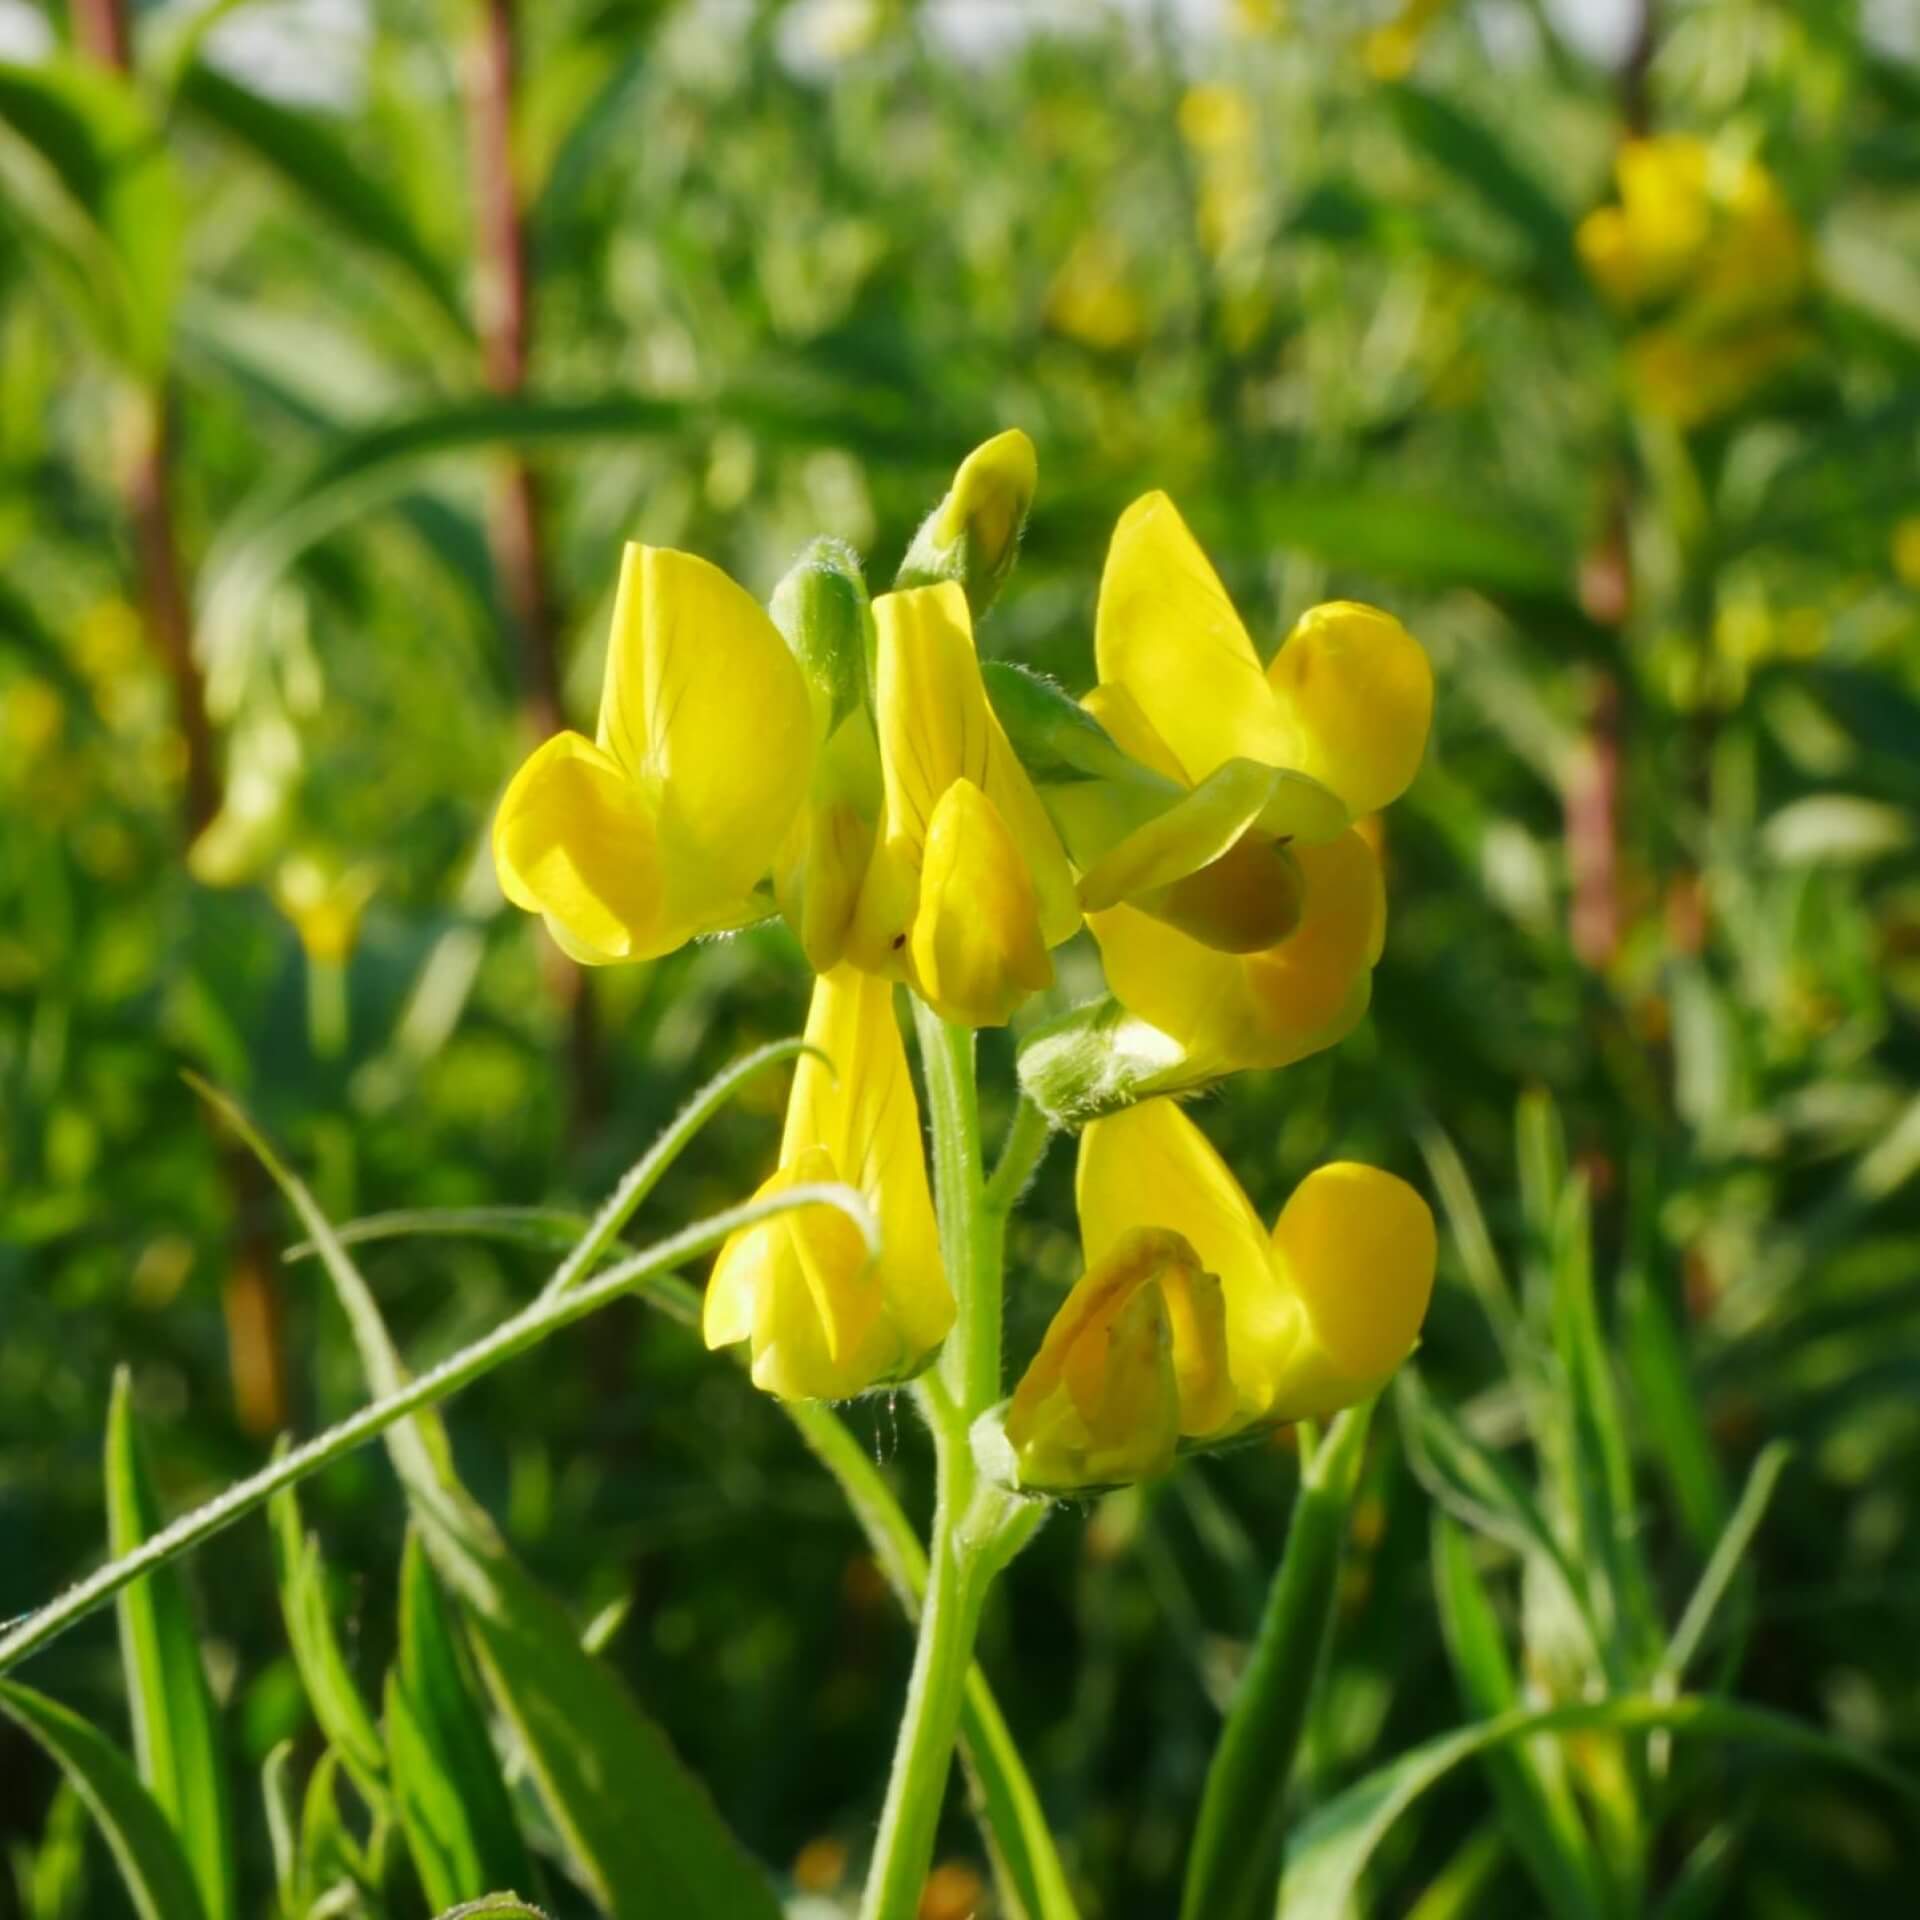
[
  {"x": 506, "y": 332},
  {"x": 505, "y": 320},
  {"x": 1592, "y": 806},
  {"x": 250, "y": 1290}
]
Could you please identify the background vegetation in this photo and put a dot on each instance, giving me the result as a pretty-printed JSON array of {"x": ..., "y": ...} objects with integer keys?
[{"x": 340, "y": 346}]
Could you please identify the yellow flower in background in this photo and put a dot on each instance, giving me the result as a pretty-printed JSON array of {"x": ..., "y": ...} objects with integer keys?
[
  {"x": 1390, "y": 50},
  {"x": 1263, "y": 953},
  {"x": 1135, "y": 1359},
  {"x": 1702, "y": 230},
  {"x": 969, "y": 886},
  {"x": 664, "y": 826},
  {"x": 1905, "y": 549},
  {"x": 1318, "y": 1313},
  {"x": 1093, "y": 298},
  {"x": 323, "y": 902},
  {"x": 824, "y": 1321}
]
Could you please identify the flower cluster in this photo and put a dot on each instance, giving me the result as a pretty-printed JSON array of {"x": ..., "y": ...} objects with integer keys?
[
  {"x": 1703, "y": 252},
  {"x": 920, "y": 819}
]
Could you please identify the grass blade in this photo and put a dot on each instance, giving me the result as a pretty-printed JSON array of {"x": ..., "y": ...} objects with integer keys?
[
  {"x": 1243, "y": 1807},
  {"x": 176, "y": 1739},
  {"x": 1330, "y": 1853},
  {"x": 152, "y": 1864}
]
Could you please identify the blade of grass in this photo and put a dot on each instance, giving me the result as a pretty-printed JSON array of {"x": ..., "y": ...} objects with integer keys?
[{"x": 176, "y": 1740}]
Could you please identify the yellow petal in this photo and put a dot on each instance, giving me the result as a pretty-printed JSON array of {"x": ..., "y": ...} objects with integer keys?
[
  {"x": 825, "y": 1322},
  {"x": 1100, "y": 1404},
  {"x": 1357, "y": 1248},
  {"x": 936, "y": 727},
  {"x": 1244, "y": 902},
  {"x": 976, "y": 945},
  {"x": 1123, "y": 717},
  {"x": 1168, "y": 634},
  {"x": 863, "y": 1112},
  {"x": 574, "y": 839},
  {"x": 1359, "y": 691},
  {"x": 708, "y": 711},
  {"x": 1150, "y": 1167}
]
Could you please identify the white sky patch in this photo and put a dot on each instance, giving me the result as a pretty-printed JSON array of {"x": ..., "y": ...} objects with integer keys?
[
  {"x": 25, "y": 32},
  {"x": 303, "y": 53}
]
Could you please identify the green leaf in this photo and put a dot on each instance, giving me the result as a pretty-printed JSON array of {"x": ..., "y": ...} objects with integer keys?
[
  {"x": 1728, "y": 1556},
  {"x": 104, "y": 152},
  {"x": 304, "y": 151},
  {"x": 1669, "y": 1404},
  {"x": 1241, "y": 1824},
  {"x": 1475, "y": 156},
  {"x": 496, "y": 1906},
  {"x": 305, "y": 1604},
  {"x": 1528, "y": 1781},
  {"x": 152, "y": 1865},
  {"x": 1331, "y": 1850},
  {"x": 175, "y": 1728},
  {"x": 642, "y": 1831},
  {"x": 1478, "y": 1487},
  {"x": 449, "y": 1793}
]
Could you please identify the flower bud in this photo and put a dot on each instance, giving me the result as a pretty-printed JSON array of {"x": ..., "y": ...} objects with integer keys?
[
  {"x": 822, "y": 611},
  {"x": 973, "y": 535}
]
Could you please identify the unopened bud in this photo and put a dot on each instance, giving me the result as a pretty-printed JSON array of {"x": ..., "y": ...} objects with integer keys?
[
  {"x": 822, "y": 612},
  {"x": 973, "y": 535}
]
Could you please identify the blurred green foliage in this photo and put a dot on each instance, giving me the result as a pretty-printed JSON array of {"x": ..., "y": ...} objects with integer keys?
[{"x": 1313, "y": 269}]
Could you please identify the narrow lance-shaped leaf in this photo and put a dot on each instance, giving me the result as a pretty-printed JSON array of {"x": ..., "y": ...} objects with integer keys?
[
  {"x": 176, "y": 1739},
  {"x": 1331, "y": 1851},
  {"x": 452, "y": 1802},
  {"x": 642, "y": 1830},
  {"x": 1243, "y": 1808},
  {"x": 1529, "y": 1782},
  {"x": 152, "y": 1866},
  {"x": 332, "y": 1691}
]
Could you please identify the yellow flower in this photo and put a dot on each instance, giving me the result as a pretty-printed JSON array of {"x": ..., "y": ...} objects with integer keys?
[
  {"x": 1905, "y": 547},
  {"x": 969, "y": 886},
  {"x": 323, "y": 903},
  {"x": 825, "y": 1322},
  {"x": 1135, "y": 1359},
  {"x": 1092, "y": 298},
  {"x": 1317, "y": 1314},
  {"x": 665, "y": 825},
  {"x": 1256, "y": 952}
]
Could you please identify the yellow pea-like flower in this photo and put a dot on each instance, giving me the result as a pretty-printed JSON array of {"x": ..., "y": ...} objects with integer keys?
[
  {"x": 665, "y": 825},
  {"x": 1318, "y": 1313},
  {"x": 824, "y": 1321},
  {"x": 1261, "y": 952},
  {"x": 1134, "y": 1360},
  {"x": 969, "y": 886}
]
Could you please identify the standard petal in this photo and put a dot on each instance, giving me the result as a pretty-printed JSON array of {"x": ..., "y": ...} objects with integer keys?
[
  {"x": 976, "y": 946},
  {"x": 708, "y": 711},
  {"x": 1356, "y": 1247},
  {"x": 1150, "y": 1166},
  {"x": 1359, "y": 690},
  {"x": 1168, "y": 634},
  {"x": 574, "y": 839},
  {"x": 936, "y": 727},
  {"x": 862, "y": 1111}
]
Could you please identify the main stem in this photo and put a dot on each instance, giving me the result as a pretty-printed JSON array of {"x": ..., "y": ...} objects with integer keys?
[{"x": 975, "y": 1530}]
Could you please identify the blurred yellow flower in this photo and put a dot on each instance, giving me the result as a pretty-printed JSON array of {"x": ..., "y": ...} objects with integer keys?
[
  {"x": 969, "y": 886},
  {"x": 323, "y": 902},
  {"x": 1906, "y": 549},
  {"x": 1317, "y": 1314},
  {"x": 1389, "y": 50},
  {"x": 1247, "y": 951},
  {"x": 665, "y": 825},
  {"x": 1093, "y": 298},
  {"x": 1704, "y": 230},
  {"x": 824, "y": 1320}
]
